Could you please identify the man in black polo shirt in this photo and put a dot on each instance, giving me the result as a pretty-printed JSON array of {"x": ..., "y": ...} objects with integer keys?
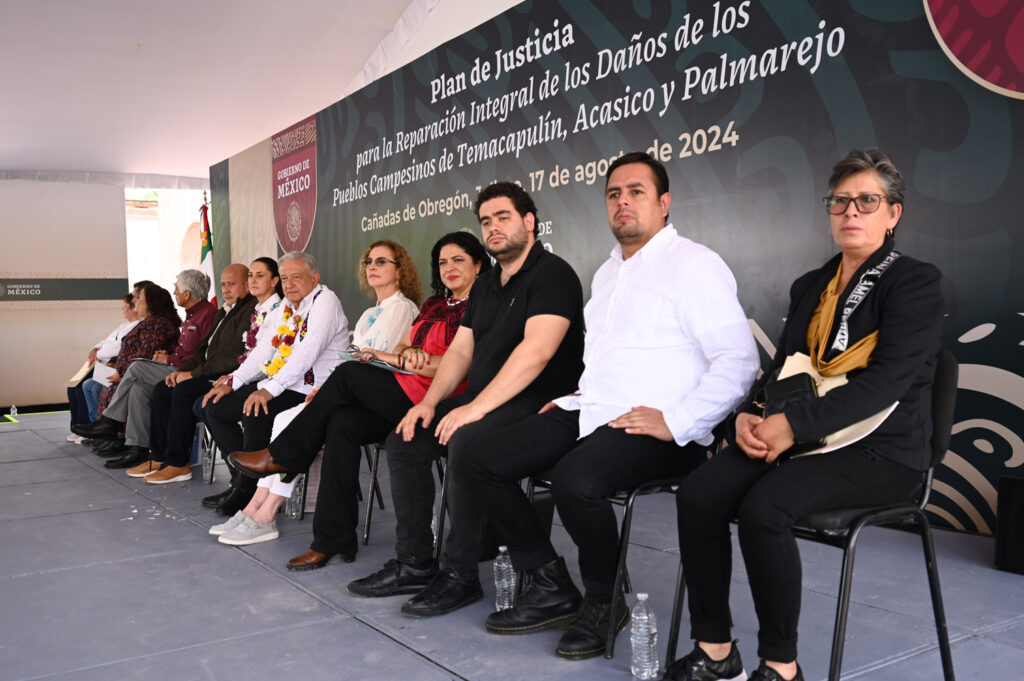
[{"x": 520, "y": 345}]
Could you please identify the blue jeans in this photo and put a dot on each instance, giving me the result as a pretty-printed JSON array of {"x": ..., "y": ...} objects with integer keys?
[{"x": 92, "y": 389}]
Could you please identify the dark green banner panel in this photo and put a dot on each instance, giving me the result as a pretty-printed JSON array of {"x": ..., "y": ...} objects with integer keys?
[
  {"x": 749, "y": 104},
  {"x": 34, "y": 290}
]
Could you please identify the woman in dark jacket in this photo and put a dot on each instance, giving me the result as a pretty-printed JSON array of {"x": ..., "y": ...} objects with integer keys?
[{"x": 872, "y": 314}]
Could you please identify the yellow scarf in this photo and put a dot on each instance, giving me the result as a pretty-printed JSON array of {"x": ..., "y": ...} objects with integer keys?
[{"x": 857, "y": 356}]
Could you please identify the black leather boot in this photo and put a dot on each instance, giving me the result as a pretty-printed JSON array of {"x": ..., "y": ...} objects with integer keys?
[
  {"x": 547, "y": 599},
  {"x": 586, "y": 636}
]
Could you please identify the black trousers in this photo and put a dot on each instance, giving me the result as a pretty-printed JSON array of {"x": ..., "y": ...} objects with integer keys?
[
  {"x": 358, "y": 404},
  {"x": 584, "y": 474},
  {"x": 76, "y": 404},
  {"x": 222, "y": 418},
  {"x": 412, "y": 485},
  {"x": 767, "y": 500},
  {"x": 172, "y": 424}
]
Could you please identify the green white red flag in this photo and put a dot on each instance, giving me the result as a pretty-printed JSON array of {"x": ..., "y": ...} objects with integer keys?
[{"x": 206, "y": 254}]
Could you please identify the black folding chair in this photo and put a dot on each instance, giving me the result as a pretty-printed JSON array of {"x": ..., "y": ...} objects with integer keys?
[
  {"x": 841, "y": 528},
  {"x": 626, "y": 499},
  {"x": 297, "y": 503}
]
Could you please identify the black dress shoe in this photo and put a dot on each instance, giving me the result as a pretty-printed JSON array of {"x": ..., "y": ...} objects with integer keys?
[
  {"x": 109, "y": 448},
  {"x": 548, "y": 599},
  {"x": 133, "y": 456},
  {"x": 448, "y": 591},
  {"x": 587, "y": 635},
  {"x": 235, "y": 502},
  {"x": 698, "y": 666},
  {"x": 102, "y": 429},
  {"x": 213, "y": 501},
  {"x": 396, "y": 578}
]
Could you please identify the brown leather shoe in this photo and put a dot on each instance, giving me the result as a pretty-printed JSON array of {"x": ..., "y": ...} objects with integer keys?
[
  {"x": 255, "y": 464},
  {"x": 312, "y": 560}
]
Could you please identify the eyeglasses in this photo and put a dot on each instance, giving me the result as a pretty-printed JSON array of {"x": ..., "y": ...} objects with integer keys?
[
  {"x": 866, "y": 203},
  {"x": 379, "y": 262}
]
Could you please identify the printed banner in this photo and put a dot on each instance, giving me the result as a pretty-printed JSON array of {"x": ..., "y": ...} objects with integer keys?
[
  {"x": 748, "y": 103},
  {"x": 294, "y": 166}
]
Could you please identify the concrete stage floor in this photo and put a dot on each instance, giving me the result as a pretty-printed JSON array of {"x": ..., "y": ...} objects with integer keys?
[{"x": 104, "y": 577}]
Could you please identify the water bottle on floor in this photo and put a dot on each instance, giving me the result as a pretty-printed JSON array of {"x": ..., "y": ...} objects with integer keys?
[
  {"x": 504, "y": 580},
  {"x": 644, "y": 637},
  {"x": 14, "y": 412}
]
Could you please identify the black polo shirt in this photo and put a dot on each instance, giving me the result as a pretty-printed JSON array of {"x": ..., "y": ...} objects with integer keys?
[{"x": 497, "y": 314}]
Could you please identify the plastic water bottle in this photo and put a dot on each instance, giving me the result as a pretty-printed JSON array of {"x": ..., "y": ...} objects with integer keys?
[
  {"x": 504, "y": 580},
  {"x": 14, "y": 412},
  {"x": 644, "y": 637},
  {"x": 293, "y": 505}
]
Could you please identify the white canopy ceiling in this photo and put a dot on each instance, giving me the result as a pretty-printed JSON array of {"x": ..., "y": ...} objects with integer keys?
[{"x": 170, "y": 88}]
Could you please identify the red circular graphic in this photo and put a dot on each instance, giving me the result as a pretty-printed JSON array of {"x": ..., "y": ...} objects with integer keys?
[{"x": 984, "y": 39}]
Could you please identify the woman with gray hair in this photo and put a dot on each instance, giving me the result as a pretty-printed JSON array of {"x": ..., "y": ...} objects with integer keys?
[{"x": 870, "y": 314}]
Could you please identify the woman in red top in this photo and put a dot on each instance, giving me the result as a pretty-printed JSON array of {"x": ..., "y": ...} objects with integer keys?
[
  {"x": 158, "y": 330},
  {"x": 361, "y": 403}
]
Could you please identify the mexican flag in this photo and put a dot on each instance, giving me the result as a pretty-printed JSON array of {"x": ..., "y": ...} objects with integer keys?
[{"x": 206, "y": 254}]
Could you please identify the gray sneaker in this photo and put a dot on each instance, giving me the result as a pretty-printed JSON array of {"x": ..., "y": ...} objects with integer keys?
[
  {"x": 233, "y": 522},
  {"x": 250, "y": 532}
]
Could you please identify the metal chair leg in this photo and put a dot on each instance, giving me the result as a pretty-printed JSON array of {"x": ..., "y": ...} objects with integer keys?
[
  {"x": 439, "y": 535},
  {"x": 374, "y": 462},
  {"x": 677, "y": 614},
  {"x": 620, "y": 572},
  {"x": 933, "y": 583},
  {"x": 210, "y": 452},
  {"x": 371, "y": 460},
  {"x": 843, "y": 606}
]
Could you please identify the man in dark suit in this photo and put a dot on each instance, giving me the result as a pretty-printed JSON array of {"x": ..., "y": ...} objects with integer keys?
[{"x": 171, "y": 421}]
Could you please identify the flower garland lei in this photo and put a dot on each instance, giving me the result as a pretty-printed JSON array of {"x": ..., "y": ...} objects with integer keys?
[
  {"x": 294, "y": 326},
  {"x": 255, "y": 322}
]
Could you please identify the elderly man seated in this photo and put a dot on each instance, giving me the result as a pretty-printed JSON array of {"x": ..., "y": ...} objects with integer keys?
[
  {"x": 171, "y": 421},
  {"x": 129, "y": 410}
]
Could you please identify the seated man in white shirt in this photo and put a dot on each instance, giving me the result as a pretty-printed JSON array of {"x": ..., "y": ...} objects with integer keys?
[
  {"x": 279, "y": 374},
  {"x": 668, "y": 354}
]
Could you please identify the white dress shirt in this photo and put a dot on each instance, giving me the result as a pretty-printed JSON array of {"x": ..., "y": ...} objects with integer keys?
[
  {"x": 326, "y": 336},
  {"x": 665, "y": 330},
  {"x": 381, "y": 327}
]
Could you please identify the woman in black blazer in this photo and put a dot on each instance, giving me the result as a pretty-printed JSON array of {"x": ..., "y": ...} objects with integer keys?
[{"x": 754, "y": 480}]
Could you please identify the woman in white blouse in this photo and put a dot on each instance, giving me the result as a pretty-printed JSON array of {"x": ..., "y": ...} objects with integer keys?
[
  {"x": 387, "y": 273},
  {"x": 105, "y": 351}
]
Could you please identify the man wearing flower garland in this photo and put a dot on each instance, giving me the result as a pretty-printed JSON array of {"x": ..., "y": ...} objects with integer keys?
[{"x": 312, "y": 332}]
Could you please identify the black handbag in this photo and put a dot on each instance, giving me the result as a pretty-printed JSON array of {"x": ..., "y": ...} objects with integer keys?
[{"x": 780, "y": 393}]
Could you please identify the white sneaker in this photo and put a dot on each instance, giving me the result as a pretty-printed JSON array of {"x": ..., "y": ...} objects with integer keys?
[
  {"x": 231, "y": 523},
  {"x": 250, "y": 532}
]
